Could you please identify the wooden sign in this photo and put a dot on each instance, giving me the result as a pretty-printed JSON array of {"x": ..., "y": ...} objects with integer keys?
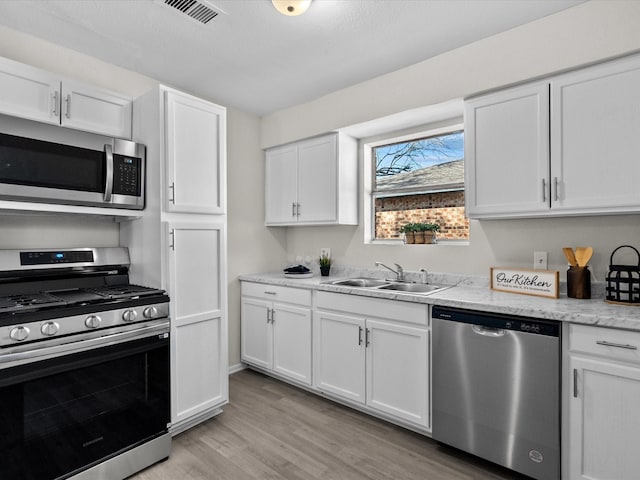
[{"x": 541, "y": 283}]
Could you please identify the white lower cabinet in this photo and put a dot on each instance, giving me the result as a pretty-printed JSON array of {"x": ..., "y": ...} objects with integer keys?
[
  {"x": 276, "y": 330},
  {"x": 340, "y": 355},
  {"x": 604, "y": 368},
  {"x": 374, "y": 352},
  {"x": 197, "y": 287}
]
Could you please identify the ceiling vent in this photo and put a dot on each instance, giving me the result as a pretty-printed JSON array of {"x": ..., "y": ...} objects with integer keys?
[{"x": 197, "y": 10}]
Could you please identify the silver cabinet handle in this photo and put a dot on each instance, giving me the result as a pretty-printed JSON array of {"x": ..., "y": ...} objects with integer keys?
[
  {"x": 367, "y": 333},
  {"x": 67, "y": 102},
  {"x": 266, "y": 292},
  {"x": 172, "y": 245},
  {"x": 172, "y": 187},
  {"x": 268, "y": 315},
  {"x": 298, "y": 210},
  {"x": 616, "y": 345},
  {"x": 293, "y": 209},
  {"x": 575, "y": 383},
  {"x": 108, "y": 188},
  {"x": 359, "y": 335},
  {"x": 55, "y": 101},
  {"x": 555, "y": 188},
  {"x": 544, "y": 190},
  {"x": 273, "y": 315}
]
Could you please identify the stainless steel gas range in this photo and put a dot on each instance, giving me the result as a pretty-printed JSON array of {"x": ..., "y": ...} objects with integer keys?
[{"x": 84, "y": 366}]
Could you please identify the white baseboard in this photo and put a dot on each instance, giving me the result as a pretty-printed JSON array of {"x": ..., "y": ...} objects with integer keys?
[{"x": 236, "y": 368}]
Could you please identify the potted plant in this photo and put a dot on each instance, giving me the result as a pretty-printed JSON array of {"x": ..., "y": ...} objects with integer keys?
[
  {"x": 325, "y": 265},
  {"x": 429, "y": 232},
  {"x": 409, "y": 232}
]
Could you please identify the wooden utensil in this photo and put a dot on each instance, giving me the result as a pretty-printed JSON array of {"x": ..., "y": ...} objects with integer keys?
[
  {"x": 583, "y": 255},
  {"x": 571, "y": 257}
]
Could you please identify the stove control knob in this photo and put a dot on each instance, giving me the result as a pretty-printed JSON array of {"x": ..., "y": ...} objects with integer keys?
[
  {"x": 150, "y": 312},
  {"x": 92, "y": 321},
  {"x": 19, "y": 333},
  {"x": 50, "y": 328},
  {"x": 129, "y": 315}
]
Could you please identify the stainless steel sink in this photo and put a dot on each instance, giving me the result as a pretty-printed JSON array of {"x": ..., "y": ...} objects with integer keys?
[
  {"x": 378, "y": 284},
  {"x": 360, "y": 282},
  {"x": 413, "y": 287}
]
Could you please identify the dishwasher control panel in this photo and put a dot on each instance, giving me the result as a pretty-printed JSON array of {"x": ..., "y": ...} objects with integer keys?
[{"x": 549, "y": 328}]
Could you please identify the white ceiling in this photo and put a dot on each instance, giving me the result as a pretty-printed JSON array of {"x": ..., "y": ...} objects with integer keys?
[{"x": 251, "y": 57}]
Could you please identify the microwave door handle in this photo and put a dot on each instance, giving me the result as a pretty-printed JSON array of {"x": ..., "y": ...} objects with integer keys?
[{"x": 108, "y": 189}]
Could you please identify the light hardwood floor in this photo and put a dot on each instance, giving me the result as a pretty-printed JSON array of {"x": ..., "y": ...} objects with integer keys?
[{"x": 271, "y": 430}]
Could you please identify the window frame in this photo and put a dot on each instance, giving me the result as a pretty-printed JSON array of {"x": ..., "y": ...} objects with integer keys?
[{"x": 370, "y": 178}]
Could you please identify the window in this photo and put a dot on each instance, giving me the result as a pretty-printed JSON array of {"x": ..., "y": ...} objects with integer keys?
[{"x": 420, "y": 179}]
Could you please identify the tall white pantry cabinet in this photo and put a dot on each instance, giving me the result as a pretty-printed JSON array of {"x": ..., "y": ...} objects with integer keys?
[{"x": 180, "y": 243}]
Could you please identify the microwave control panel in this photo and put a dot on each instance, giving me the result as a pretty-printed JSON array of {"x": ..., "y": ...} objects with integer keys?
[{"x": 126, "y": 175}]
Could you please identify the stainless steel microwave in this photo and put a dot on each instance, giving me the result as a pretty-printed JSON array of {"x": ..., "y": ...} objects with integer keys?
[{"x": 38, "y": 171}]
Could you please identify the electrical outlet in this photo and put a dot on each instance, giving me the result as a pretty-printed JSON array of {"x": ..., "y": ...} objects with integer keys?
[
  {"x": 325, "y": 252},
  {"x": 540, "y": 260}
]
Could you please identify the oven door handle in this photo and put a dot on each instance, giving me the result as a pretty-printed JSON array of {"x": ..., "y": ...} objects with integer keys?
[{"x": 35, "y": 354}]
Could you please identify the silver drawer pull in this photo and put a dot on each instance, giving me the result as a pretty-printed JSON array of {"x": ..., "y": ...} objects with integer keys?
[
  {"x": 270, "y": 293},
  {"x": 617, "y": 345}
]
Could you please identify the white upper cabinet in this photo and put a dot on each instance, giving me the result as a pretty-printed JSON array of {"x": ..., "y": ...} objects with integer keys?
[
  {"x": 312, "y": 182},
  {"x": 507, "y": 151},
  {"x": 95, "y": 110},
  {"x": 571, "y": 152},
  {"x": 195, "y": 133},
  {"x": 29, "y": 92},
  {"x": 38, "y": 95},
  {"x": 281, "y": 193},
  {"x": 595, "y": 115}
]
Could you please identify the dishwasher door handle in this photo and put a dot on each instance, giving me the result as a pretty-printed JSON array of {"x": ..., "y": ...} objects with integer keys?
[{"x": 488, "y": 331}]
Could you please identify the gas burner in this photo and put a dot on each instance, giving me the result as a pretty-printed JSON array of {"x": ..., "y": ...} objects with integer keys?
[
  {"x": 12, "y": 303},
  {"x": 125, "y": 291}
]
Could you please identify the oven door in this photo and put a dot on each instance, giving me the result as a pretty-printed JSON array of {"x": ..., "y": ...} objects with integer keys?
[{"x": 67, "y": 412}]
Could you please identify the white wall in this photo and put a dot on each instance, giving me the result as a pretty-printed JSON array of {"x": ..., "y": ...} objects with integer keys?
[
  {"x": 587, "y": 33},
  {"x": 252, "y": 246}
]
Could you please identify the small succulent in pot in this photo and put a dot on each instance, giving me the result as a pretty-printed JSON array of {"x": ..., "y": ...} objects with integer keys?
[{"x": 325, "y": 264}]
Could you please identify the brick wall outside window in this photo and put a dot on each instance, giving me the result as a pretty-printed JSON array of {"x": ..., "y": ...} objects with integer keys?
[{"x": 445, "y": 209}]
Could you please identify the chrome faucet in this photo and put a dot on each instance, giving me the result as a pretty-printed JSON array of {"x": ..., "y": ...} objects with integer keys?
[{"x": 399, "y": 273}]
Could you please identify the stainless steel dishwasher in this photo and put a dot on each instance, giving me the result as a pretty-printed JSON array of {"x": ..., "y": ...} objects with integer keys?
[{"x": 496, "y": 388}]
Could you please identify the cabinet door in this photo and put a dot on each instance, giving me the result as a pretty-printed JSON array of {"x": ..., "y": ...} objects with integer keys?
[
  {"x": 197, "y": 287},
  {"x": 603, "y": 421},
  {"x": 292, "y": 342},
  {"x": 318, "y": 180},
  {"x": 595, "y": 143},
  {"x": 339, "y": 352},
  {"x": 507, "y": 152},
  {"x": 256, "y": 333},
  {"x": 28, "y": 92},
  {"x": 195, "y": 137},
  {"x": 95, "y": 110},
  {"x": 281, "y": 185},
  {"x": 397, "y": 371}
]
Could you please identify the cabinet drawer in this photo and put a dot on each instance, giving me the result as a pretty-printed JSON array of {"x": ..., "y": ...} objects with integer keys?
[
  {"x": 407, "y": 312},
  {"x": 277, "y": 293},
  {"x": 608, "y": 342}
]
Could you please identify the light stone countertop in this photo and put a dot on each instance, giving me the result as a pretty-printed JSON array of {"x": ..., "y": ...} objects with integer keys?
[{"x": 473, "y": 292}]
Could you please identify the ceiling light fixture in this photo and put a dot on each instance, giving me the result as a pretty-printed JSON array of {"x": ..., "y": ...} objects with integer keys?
[{"x": 291, "y": 8}]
